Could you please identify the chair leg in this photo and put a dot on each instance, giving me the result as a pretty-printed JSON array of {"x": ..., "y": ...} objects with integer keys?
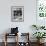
[
  {"x": 5, "y": 43},
  {"x": 5, "y": 40}
]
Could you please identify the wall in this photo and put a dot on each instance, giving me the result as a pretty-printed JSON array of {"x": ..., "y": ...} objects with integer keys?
[{"x": 29, "y": 15}]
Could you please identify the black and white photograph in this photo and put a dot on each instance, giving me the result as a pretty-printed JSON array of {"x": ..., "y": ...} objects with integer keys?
[{"x": 17, "y": 13}]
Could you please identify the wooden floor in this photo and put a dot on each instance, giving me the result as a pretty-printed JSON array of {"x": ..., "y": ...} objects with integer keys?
[{"x": 13, "y": 44}]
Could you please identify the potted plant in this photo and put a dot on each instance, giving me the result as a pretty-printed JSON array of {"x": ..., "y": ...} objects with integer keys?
[{"x": 39, "y": 35}]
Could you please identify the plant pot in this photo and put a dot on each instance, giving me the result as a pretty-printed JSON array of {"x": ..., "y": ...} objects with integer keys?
[{"x": 40, "y": 41}]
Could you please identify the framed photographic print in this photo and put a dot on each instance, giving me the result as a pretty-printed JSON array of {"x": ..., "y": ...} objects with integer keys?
[{"x": 17, "y": 13}]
